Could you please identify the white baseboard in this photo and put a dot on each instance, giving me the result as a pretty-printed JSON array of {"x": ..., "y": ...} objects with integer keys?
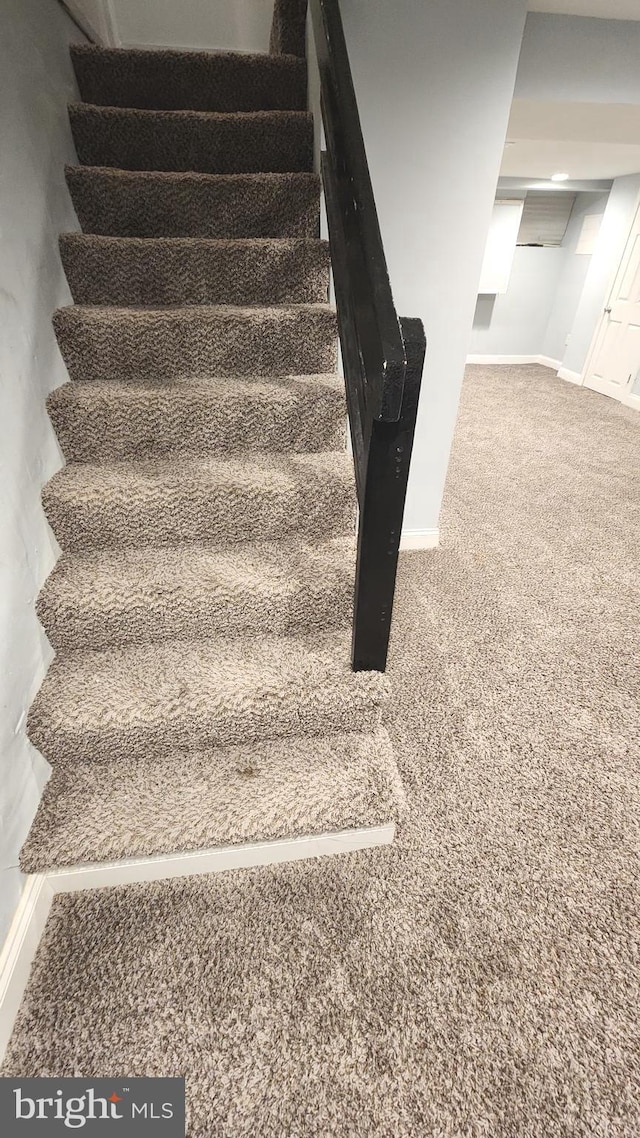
[
  {"x": 480, "y": 359},
  {"x": 419, "y": 539},
  {"x": 19, "y": 950},
  {"x": 546, "y": 361},
  {"x": 165, "y": 866},
  {"x": 39, "y": 890},
  {"x": 631, "y": 400},
  {"x": 570, "y": 376}
]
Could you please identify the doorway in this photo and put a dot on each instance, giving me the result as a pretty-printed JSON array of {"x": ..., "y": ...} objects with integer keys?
[{"x": 613, "y": 365}]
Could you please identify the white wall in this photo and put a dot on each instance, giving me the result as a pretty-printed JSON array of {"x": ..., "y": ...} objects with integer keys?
[
  {"x": 616, "y": 223},
  {"x": 35, "y": 84},
  {"x": 233, "y": 25},
  {"x": 434, "y": 83},
  {"x": 574, "y": 59}
]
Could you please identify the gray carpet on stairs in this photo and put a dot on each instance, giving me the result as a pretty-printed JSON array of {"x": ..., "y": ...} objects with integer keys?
[
  {"x": 212, "y": 143},
  {"x": 195, "y": 270},
  {"x": 189, "y": 80},
  {"x": 480, "y": 976},
  {"x": 142, "y": 344},
  {"x": 106, "y": 420},
  {"x": 155, "y": 203},
  {"x": 201, "y": 609}
]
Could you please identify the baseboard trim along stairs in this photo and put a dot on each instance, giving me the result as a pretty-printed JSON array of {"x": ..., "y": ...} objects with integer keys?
[
  {"x": 420, "y": 539},
  {"x": 39, "y": 890}
]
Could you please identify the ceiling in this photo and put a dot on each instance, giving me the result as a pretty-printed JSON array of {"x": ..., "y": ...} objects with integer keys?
[
  {"x": 604, "y": 9},
  {"x": 585, "y": 140}
]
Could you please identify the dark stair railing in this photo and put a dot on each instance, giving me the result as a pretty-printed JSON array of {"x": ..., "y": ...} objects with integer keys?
[{"x": 382, "y": 354}]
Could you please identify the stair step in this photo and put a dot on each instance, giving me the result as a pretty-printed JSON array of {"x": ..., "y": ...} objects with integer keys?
[
  {"x": 200, "y": 500},
  {"x": 122, "y": 704},
  {"x": 237, "y": 143},
  {"x": 195, "y": 270},
  {"x": 93, "y": 812},
  {"x": 189, "y": 80},
  {"x": 107, "y": 420},
  {"x": 127, "y": 203},
  {"x": 196, "y": 592},
  {"x": 149, "y": 345}
]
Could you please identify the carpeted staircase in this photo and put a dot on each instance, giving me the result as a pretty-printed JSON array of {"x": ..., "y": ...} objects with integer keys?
[{"x": 201, "y": 692}]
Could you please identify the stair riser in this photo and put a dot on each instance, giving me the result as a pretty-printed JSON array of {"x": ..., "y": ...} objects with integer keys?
[
  {"x": 279, "y": 141},
  {"x": 180, "y": 515},
  {"x": 110, "y": 429},
  {"x": 123, "y": 203},
  {"x": 104, "y": 271},
  {"x": 174, "y": 613},
  {"x": 303, "y": 713},
  {"x": 169, "y": 80},
  {"x": 152, "y": 346}
]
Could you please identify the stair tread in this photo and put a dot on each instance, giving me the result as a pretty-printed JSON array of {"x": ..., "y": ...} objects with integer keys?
[
  {"x": 185, "y": 203},
  {"x": 98, "y": 241},
  {"x": 86, "y": 578},
  {"x": 214, "y": 389},
  {"x": 174, "y": 78},
  {"x": 107, "y": 420},
  {"x": 156, "y": 271},
  {"x": 201, "y": 799},
  {"x": 186, "y": 115},
  {"x": 140, "y": 595},
  {"x": 236, "y": 180},
  {"x": 151, "y": 343},
  {"x": 110, "y": 313},
  {"x": 158, "y": 698},
  {"x": 130, "y": 477},
  {"x": 207, "y": 141},
  {"x": 192, "y": 56},
  {"x": 196, "y": 499}
]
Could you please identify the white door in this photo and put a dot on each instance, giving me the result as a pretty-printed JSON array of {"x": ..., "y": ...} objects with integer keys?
[{"x": 614, "y": 364}]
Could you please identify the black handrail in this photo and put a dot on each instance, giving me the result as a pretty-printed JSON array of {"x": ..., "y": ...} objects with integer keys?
[{"x": 382, "y": 354}]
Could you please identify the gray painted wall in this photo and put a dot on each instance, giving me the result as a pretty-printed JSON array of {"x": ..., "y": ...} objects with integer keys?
[
  {"x": 616, "y": 223},
  {"x": 573, "y": 59},
  {"x": 234, "y": 25},
  {"x": 572, "y": 276},
  {"x": 577, "y": 59},
  {"x": 35, "y": 83},
  {"x": 435, "y": 83},
  {"x": 515, "y": 323},
  {"x": 556, "y": 296}
]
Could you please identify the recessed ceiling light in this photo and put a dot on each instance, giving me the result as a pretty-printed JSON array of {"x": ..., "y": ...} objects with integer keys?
[{"x": 559, "y": 177}]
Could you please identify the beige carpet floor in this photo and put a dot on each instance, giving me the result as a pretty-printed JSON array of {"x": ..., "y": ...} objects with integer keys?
[{"x": 479, "y": 979}]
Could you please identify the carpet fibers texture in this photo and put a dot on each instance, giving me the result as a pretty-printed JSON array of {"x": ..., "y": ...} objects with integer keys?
[
  {"x": 479, "y": 978},
  {"x": 125, "y": 203},
  {"x": 201, "y": 691}
]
